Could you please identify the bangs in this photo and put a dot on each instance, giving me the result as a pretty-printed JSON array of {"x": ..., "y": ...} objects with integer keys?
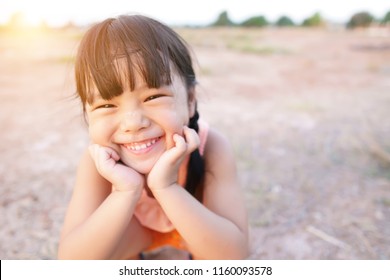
[{"x": 116, "y": 53}]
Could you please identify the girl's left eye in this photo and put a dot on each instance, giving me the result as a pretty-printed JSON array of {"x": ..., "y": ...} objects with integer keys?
[{"x": 152, "y": 97}]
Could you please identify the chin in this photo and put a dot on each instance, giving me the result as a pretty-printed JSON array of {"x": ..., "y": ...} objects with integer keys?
[
  {"x": 143, "y": 171},
  {"x": 143, "y": 168}
]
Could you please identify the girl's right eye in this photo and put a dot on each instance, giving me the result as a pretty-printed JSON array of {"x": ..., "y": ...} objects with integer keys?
[{"x": 104, "y": 106}]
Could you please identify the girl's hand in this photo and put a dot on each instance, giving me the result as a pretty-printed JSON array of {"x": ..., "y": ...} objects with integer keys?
[
  {"x": 123, "y": 178},
  {"x": 165, "y": 172}
]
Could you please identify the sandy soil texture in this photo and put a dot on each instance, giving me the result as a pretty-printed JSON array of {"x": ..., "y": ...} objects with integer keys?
[{"x": 307, "y": 112}]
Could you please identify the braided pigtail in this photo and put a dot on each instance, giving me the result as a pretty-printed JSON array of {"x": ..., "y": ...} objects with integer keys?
[{"x": 195, "y": 172}]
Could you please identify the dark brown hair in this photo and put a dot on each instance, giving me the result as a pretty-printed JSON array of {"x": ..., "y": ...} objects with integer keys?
[{"x": 149, "y": 47}]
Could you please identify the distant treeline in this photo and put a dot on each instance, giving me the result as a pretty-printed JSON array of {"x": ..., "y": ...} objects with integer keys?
[{"x": 360, "y": 19}]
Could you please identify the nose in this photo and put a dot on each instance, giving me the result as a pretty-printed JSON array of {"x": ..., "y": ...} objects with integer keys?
[{"x": 134, "y": 121}]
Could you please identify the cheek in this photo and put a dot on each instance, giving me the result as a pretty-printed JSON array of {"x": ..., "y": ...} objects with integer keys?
[
  {"x": 174, "y": 115},
  {"x": 175, "y": 120},
  {"x": 172, "y": 122},
  {"x": 94, "y": 134},
  {"x": 181, "y": 112},
  {"x": 99, "y": 132}
]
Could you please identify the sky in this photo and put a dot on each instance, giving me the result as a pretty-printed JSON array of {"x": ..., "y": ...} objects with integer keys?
[{"x": 185, "y": 12}]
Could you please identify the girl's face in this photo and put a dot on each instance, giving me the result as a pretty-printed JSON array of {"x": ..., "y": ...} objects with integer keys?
[{"x": 139, "y": 125}]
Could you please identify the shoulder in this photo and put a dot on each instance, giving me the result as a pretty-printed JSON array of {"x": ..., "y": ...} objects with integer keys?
[
  {"x": 222, "y": 193},
  {"x": 218, "y": 150},
  {"x": 220, "y": 163}
]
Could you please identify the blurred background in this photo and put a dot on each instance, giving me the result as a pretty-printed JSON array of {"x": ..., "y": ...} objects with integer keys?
[{"x": 301, "y": 89}]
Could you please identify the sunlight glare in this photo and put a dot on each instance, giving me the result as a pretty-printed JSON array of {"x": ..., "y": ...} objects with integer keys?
[{"x": 27, "y": 14}]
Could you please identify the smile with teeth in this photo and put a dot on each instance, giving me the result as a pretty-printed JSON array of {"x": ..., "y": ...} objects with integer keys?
[{"x": 139, "y": 146}]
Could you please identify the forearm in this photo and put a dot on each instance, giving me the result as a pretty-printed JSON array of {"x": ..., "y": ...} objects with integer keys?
[
  {"x": 208, "y": 235},
  {"x": 98, "y": 236}
]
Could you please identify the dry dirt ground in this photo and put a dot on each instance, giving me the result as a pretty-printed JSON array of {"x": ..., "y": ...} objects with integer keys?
[{"x": 307, "y": 112}]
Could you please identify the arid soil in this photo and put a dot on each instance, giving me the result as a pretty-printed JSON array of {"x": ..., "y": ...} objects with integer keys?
[{"x": 307, "y": 112}]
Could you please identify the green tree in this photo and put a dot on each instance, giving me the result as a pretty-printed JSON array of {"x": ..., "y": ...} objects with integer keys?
[
  {"x": 258, "y": 21},
  {"x": 223, "y": 20},
  {"x": 361, "y": 19},
  {"x": 314, "y": 21},
  {"x": 284, "y": 21},
  {"x": 386, "y": 18}
]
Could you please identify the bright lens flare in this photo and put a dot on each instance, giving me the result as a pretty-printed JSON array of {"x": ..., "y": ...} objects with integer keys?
[{"x": 20, "y": 22}]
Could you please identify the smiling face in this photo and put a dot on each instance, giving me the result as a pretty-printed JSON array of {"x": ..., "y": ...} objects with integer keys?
[
  {"x": 139, "y": 124},
  {"x": 136, "y": 82}
]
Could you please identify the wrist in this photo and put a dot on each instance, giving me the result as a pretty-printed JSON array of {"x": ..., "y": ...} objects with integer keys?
[
  {"x": 158, "y": 184},
  {"x": 169, "y": 187},
  {"x": 131, "y": 186},
  {"x": 134, "y": 192}
]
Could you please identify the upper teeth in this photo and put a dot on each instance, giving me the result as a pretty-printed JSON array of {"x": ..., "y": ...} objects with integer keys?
[{"x": 137, "y": 147}]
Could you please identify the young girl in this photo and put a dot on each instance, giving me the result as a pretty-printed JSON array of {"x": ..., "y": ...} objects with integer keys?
[{"x": 155, "y": 175}]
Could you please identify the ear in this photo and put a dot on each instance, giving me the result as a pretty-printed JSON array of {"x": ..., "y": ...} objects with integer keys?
[{"x": 191, "y": 101}]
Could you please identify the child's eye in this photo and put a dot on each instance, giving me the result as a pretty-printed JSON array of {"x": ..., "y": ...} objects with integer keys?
[
  {"x": 152, "y": 97},
  {"x": 104, "y": 106}
]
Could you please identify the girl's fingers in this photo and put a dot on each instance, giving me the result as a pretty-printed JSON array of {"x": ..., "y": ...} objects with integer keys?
[
  {"x": 180, "y": 143},
  {"x": 104, "y": 157},
  {"x": 179, "y": 149},
  {"x": 100, "y": 152},
  {"x": 184, "y": 145},
  {"x": 192, "y": 139},
  {"x": 111, "y": 153}
]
